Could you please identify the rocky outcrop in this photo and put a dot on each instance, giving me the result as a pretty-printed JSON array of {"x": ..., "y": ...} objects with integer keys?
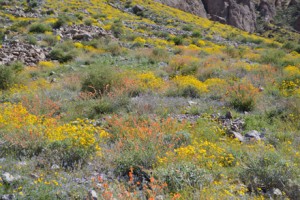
[
  {"x": 28, "y": 54},
  {"x": 297, "y": 24},
  {"x": 81, "y": 32},
  {"x": 239, "y": 13},
  {"x": 195, "y": 7}
]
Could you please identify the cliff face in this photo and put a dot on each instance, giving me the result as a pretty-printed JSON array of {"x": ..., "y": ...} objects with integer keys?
[
  {"x": 195, "y": 7},
  {"x": 242, "y": 14}
]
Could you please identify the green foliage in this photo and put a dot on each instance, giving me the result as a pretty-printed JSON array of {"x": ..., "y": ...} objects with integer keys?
[
  {"x": 8, "y": 76},
  {"x": 61, "y": 21},
  {"x": 63, "y": 52},
  {"x": 180, "y": 176},
  {"x": 99, "y": 80},
  {"x": 270, "y": 171},
  {"x": 272, "y": 56},
  {"x": 178, "y": 40},
  {"x": 39, "y": 28}
]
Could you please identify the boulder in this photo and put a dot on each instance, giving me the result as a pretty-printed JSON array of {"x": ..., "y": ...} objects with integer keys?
[
  {"x": 253, "y": 135},
  {"x": 137, "y": 9}
]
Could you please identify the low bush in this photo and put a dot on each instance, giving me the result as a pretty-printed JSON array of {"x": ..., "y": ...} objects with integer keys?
[
  {"x": 99, "y": 80},
  {"x": 9, "y": 75},
  {"x": 179, "y": 176},
  {"x": 268, "y": 172},
  {"x": 242, "y": 96},
  {"x": 39, "y": 28}
]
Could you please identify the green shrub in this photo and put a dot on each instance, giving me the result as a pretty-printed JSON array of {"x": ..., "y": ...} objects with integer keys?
[
  {"x": 7, "y": 77},
  {"x": 39, "y": 28},
  {"x": 117, "y": 28},
  {"x": 178, "y": 40},
  {"x": 272, "y": 56},
  {"x": 242, "y": 96},
  {"x": 63, "y": 52},
  {"x": 179, "y": 176},
  {"x": 269, "y": 171},
  {"x": 62, "y": 20},
  {"x": 99, "y": 80}
]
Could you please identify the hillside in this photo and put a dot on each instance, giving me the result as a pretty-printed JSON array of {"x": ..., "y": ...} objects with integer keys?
[{"x": 107, "y": 99}]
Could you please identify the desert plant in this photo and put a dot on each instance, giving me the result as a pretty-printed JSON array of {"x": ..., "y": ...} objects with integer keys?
[
  {"x": 179, "y": 176},
  {"x": 39, "y": 28},
  {"x": 99, "y": 80},
  {"x": 242, "y": 96}
]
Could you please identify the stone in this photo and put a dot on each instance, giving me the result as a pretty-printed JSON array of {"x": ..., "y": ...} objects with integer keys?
[
  {"x": 8, "y": 197},
  {"x": 54, "y": 167},
  {"x": 137, "y": 9},
  {"x": 195, "y": 7},
  {"x": 277, "y": 192},
  {"x": 92, "y": 195},
  {"x": 28, "y": 54},
  {"x": 237, "y": 135},
  {"x": 253, "y": 135},
  {"x": 8, "y": 178}
]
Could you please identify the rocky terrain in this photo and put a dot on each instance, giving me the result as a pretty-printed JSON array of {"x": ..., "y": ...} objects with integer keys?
[
  {"x": 111, "y": 99},
  {"x": 241, "y": 14}
]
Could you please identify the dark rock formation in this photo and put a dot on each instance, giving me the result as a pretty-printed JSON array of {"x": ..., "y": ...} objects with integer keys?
[
  {"x": 28, "y": 54},
  {"x": 297, "y": 24},
  {"x": 195, "y": 7},
  {"x": 239, "y": 13}
]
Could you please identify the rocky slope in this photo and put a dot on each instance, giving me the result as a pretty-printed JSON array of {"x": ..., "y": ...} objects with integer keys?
[{"x": 242, "y": 14}]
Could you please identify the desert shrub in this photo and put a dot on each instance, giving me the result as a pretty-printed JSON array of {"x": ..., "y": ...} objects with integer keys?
[
  {"x": 8, "y": 76},
  {"x": 187, "y": 86},
  {"x": 183, "y": 65},
  {"x": 61, "y": 21},
  {"x": 99, "y": 80},
  {"x": 242, "y": 96},
  {"x": 139, "y": 142},
  {"x": 114, "y": 48},
  {"x": 178, "y": 40},
  {"x": 39, "y": 28},
  {"x": 109, "y": 105},
  {"x": 50, "y": 39},
  {"x": 88, "y": 22},
  {"x": 272, "y": 56},
  {"x": 270, "y": 171},
  {"x": 63, "y": 52},
  {"x": 196, "y": 34},
  {"x": 31, "y": 40},
  {"x": 117, "y": 28},
  {"x": 289, "y": 46},
  {"x": 179, "y": 176},
  {"x": 158, "y": 55},
  {"x": 180, "y": 138}
]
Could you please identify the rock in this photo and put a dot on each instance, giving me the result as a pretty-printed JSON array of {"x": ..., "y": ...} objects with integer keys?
[
  {"x": 8, "y": 178},
  {"x": 277, "y": 192},
  {"x": 8, "y": 197},
  {"x": 28, "y": 54},
  {"x": 92, "y": 195},
  {"x": 253, "y": 135},
  {"x": 297, "y": 24},
  {"x": 33, "y": 175},
  {"x": 237, "y": 135},
  {"x": 159, "y": 197},
  {"x": 54, "y": 167},
  {"x": 192, "y": 103},
  {"x": 267, "y": 9},
  {"x": 137, "y": 9},
  {"x": 81, "y": 32},
  {"x": 195, "y": 7},
  {"x": 228, "y": 115}
]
